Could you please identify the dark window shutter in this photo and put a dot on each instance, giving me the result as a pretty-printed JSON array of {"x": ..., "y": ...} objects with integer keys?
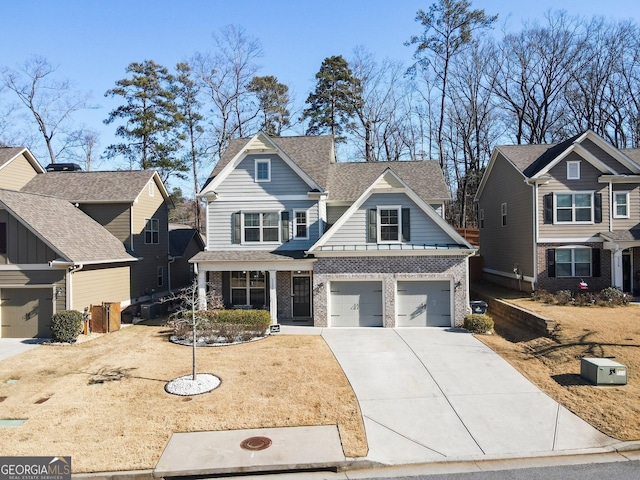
[
  {"x": 551, "y": 262},
  {"x": 236, "y": 231},
  {"x": 548, "y": 208},
  {"x": 372, "y": 225},
  {"x": 3, "y": 237},
  {"x": 406, "y": 225},
  {"x": 595, "y": 262},
  {"x": 284, "y": 226},
  {"x": 597, "y": 212}
]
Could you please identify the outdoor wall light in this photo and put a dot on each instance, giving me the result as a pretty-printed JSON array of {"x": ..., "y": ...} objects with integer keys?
[
  {"x": 458, "y": 284},
  {"x": 58, "y": 291}
]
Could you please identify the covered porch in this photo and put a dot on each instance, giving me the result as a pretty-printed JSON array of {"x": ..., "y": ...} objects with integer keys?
[
  {"x": 624, "y": 246},
  {"x": 279, "y": 282}
]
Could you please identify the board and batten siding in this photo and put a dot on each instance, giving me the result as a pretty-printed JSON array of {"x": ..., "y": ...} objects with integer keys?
[
  {"x": 221, "y": 222},
  {"x": 588, "y": 182},
  {"x": 94, "y": 285},
  {"x": 22, "y": 245},
  {"x": 502, "y": 247},
  {"x": 241, "y": 181},
  {"x": 17, "y": 173},
  {"x": 423, "y": 229},
  {"x": 144, "y": 272},
  {"x": 115, "y": 217}
]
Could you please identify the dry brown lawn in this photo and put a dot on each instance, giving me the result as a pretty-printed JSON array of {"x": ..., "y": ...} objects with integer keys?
[
  {"x": 125, "y": 422},
  {"x": 553, "y": 364}
]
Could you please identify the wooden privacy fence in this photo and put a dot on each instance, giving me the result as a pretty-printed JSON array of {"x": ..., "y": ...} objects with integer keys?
[
  {"x": 471, "y": 235},
  {"x": 105, "y": 318}
]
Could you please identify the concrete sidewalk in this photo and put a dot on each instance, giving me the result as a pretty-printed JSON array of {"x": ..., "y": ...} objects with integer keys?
[
  {"x": 13, "y": 346},
  {"x": 433, "y": 395}
]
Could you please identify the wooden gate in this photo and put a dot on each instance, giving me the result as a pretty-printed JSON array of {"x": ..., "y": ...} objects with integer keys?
[{"x": 105, "y": 318}]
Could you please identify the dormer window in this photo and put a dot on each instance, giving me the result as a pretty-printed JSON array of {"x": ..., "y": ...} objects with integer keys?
[
  {"x": 573, "y": 170},
  {"x": 263, "y": 170}
]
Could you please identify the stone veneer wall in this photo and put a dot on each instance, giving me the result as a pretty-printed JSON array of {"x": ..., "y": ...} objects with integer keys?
[
  {"x": 553, "y": 284},
  {"x": 215, "y": 282},
  {"x": 389, "y": 270}
]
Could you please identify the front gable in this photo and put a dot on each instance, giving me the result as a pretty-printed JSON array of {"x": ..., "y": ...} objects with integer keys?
[
  {"x": 18, "y": 169},
  {"x": 243, "y": 168},
  {"x": 389, "y": 218}
]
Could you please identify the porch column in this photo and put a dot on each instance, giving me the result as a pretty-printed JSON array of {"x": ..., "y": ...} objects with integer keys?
[
  {"x": 273, "y": 297},
  {"x": 202, "y": 290},
  {"x": 617, "y": 268}
]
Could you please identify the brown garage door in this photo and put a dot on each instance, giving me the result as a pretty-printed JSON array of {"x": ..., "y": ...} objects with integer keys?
[{"x": 26, "y": 312}]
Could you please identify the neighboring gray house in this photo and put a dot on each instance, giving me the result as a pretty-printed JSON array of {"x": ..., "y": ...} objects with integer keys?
[
  {"x": 184, "y": 243},
  {"x": 319, "y": 242},
  {"x": 133, "y": 206},
  {"x": 553, "y": 215}
]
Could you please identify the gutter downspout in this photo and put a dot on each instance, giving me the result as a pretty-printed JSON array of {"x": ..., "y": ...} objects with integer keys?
[
  {"x": 171, "y": 260},
  {"x": 69, "y": 284},
  {"x": 535, "y": 235}
]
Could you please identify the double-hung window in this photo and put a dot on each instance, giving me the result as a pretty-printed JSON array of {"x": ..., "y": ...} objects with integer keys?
[
  {"x": 263, "y": 170},
  {"x": 620, "y": 204},
  {"x": 573, "y": 208},
  {"x": 300, "y": 230},
  {"x": 389, "y": 222},
  {"x": 261, "y": 227},
  {"x": 573, "y": 262},
  {"x": 248, "y": 288},
  {"x": 152, "y": 231}
]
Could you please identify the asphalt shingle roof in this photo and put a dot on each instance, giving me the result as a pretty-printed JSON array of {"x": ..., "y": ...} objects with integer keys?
[
  {"x": 9, "y": 153},
  {"x": 346, "y": 181},
  {"x": 179, "y": 238},
  {"x": 87, "y": 187},
  {"x": 248, "y": 256},
  {"x": 69, "y": 231}
]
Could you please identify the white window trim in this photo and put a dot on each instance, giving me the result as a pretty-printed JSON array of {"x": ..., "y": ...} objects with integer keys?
[
  {"x": 573, "y": 222},
  {"x": 306, "y": 224},
  {"x": 615, "y": 204},
  {"x": 573, "y": 248},
  {"x": 261, "y": 242},
  {"x": 247, "y": 287},
  {"x": 379, "y": 223},
  {"x": 150, "y": 221},
  {"x": 575, "y": 163},
  {"x": 260, "y": 161},
  {"x": 503, "y": 214}
]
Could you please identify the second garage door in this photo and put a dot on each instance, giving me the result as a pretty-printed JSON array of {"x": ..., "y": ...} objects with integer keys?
[
  {"x": 356, "y": 304},
  {"x": 26, "y": 312},
  {"x": 424, "y": 304}
]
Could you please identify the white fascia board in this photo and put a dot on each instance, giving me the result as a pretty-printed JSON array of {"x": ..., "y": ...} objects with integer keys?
[
  {"x": 442, "y": 252},
  {"x": 591, "y": 239},
  {"x": 619, "y": 179},
  {"x": 235, "y": 161},
  {"x": 611, "y": 150},
  {"x": 30, "y": 158},
  {"x": 287, "y": 266}
]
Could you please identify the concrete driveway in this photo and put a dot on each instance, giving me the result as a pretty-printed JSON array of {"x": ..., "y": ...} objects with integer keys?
[
  {"x": 432, "y": 395},
  {"x": 13, "y": 346}
]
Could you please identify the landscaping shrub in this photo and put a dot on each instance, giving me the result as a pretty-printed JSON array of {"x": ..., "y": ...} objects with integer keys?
[
  {"x": 563, "y": 297},
  {"x": 66, "y": 325},
  {"x": 222, "y": 326},
  {"x": 478, "y": 323},
  {"x": 584, "y": 299},
  {"x": 612, "y": 297},
  {"x": 543, "y": 296}
]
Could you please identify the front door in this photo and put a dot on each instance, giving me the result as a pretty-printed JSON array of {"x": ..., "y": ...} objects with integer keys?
[
  {"x": 626, "y": 271},
  {"x": 301, "y": 296}
]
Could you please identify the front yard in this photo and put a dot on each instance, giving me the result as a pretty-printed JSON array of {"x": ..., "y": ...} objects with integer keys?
[
  {"x": 103, "y": 401},
  {"x": 553, "y": 364}
]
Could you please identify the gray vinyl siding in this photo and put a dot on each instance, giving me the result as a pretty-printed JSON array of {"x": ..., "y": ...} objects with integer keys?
[
  {"x": 588, "y": 182},
  {"x": 423, "y": 229},
  {"x": 604, "y": 157},
  {"x": 181, "y": 269},
  {"x": 334, "y": 212},
  {"x": 23, "y": 246},
  {"x": 633, "y": 208},
  {"x": 502, "y": 247},
  {"x": 115, "y": 217},
  {"x": 284, "y": 180},
  {"x": 144, "y": 271},
  {"x": 17, "y": 173},
  {"x": 221, "y": 223},
  {"x": 94, "y": 285}
]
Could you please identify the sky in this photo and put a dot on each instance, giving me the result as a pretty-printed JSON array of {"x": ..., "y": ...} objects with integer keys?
[{"x": 92, "y": 41}]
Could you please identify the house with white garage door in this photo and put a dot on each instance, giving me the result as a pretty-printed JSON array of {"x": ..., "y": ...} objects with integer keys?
[{"x": 332, "y": 244}]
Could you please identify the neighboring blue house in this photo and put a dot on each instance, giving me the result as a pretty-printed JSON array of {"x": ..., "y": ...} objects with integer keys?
[{"x": 319, "y": 242}]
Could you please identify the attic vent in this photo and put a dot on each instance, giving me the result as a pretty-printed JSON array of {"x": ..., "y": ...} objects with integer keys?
[{"x": 63, "y": 167}]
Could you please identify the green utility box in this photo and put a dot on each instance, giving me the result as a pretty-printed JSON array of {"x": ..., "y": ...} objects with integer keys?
[{"x": 602, "y": 371}]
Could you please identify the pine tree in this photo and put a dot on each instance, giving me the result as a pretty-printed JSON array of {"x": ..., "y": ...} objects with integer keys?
[
  {"x": 273, "y": 100},
  {"x": 333, "y": 103},
  {"x": 151, "y": 120}
]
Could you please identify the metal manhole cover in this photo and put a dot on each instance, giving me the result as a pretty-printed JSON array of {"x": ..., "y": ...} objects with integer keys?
[{"x": 255, "y": 443}]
